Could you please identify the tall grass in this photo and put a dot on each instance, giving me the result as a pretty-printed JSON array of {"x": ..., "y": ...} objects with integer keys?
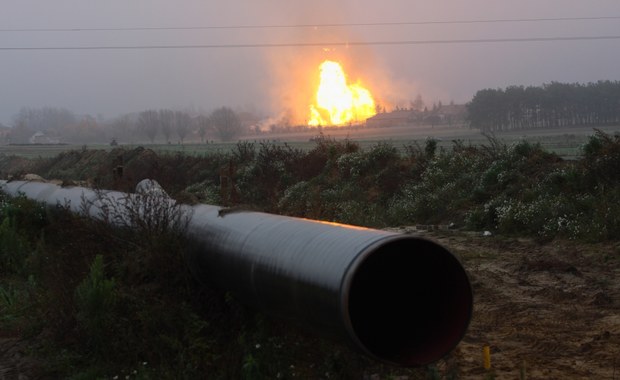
[{"x": 96, "y": 299}]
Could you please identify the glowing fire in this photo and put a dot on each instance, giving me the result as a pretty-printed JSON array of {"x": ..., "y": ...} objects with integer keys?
[{"x": 337, "y": 102}]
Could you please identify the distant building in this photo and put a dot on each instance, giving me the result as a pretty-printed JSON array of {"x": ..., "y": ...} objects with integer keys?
[
  {"x": 448, "y": 114},
  {"x": 391, "y": 119},
  {"x": 452, "y": 113},
  {"x": 42, "y": 138}
]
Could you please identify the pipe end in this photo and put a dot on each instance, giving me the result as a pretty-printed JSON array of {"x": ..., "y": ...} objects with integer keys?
[{"x": 409, "y": 301}]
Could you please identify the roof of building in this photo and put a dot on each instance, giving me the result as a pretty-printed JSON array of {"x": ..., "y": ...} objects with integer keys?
[{"x": 400, "y": 114}]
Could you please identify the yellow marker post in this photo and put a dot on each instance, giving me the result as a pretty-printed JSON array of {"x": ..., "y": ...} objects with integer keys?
[{"x": 486, "y": 354}]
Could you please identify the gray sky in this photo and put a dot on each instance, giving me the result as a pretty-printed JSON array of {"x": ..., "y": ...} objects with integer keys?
[{"x": 278, "y": 80}]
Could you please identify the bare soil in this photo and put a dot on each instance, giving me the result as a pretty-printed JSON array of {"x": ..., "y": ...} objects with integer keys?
[
  {"x": 547, "y": 311},
  {"x": 15, "y": 363}
]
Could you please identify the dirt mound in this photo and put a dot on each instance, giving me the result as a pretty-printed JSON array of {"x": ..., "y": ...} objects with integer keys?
[
  {"x": 120, "y": 169},
  {"x": 14, "y": 165}
]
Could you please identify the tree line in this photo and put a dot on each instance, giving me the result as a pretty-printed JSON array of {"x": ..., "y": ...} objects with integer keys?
[
  {"x": 50, "y": 124},
  {"x": 547, "y": 106}
]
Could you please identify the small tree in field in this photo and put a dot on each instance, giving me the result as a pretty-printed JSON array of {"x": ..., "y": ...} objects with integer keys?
[
  {"x": 226, "y": 123},
  {"x": 166, "y": 120},
  {"x": 204, "y": 124},
  {"x": 148, "y": 123},
  {"x": 183, "y": 123}
]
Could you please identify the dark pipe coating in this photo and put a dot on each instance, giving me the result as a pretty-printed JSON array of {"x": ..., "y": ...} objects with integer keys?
[
  {"x": 409, "y": 301},
  {"x": 401, "y": 299}
]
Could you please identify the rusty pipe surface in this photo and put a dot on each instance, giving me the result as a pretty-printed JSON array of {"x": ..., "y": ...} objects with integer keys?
[{"x": 401, "y": 299}]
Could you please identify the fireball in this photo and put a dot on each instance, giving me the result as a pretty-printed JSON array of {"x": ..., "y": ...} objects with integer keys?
[{"x": 339, "y": 103}]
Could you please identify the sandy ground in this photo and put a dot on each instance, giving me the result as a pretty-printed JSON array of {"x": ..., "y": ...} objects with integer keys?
[{"x": 548, "y": 311}]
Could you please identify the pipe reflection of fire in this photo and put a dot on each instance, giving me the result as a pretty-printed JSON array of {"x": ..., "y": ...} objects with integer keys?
[{"x": 339, "y": 103}]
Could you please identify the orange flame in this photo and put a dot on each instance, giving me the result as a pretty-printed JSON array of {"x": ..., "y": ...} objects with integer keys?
[{"x": 339, "y": 103}]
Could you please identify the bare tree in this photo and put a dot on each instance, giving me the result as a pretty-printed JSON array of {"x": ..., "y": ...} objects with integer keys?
[
  {"x": 226, "y": 123},
  {"x": 51, "y": 121},
  {"x": 204, "y": 124},
  {"x": 183, "y": 123},
  {"x": 166, "y": 121},
  {"x": 418, "y": 103},
  {"x": 87, "y": 129},
  {"x": 148, "y": 123},
  {"x": 46, "y": 118},
  {"x": 20, "y": 133},
  {"x": 123, "y": 127}
]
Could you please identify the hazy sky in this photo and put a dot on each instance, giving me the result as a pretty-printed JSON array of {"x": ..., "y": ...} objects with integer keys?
[{"x": 278, "y": 80}]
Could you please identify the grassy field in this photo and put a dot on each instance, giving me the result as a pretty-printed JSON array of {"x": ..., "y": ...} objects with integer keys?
[{"x": 566, "y": 142}]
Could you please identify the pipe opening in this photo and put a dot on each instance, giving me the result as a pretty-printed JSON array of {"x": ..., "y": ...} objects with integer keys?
[{"x": 410, "y": 302}]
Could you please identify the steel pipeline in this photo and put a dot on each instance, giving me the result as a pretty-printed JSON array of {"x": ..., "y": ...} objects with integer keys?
[{"x": 401, "y": 299}]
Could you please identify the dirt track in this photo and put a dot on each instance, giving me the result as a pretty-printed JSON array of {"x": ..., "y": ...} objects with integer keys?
[{"x": 551, "y": 311}]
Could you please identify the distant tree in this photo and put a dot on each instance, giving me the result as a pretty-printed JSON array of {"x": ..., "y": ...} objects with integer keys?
[
  {"x": 166, "y": 123},
  {"x": 418, "y": 103},
  {"x": 226, "y": 123},
  {"x": 182, "y": 123},
  {"x": 123, "y": 127},
  {"x": 204, "y": 124},
  {"x": 43, "y": 119},
  {"x": 552, "y": 105},
  {"x": 86, "y": 130},
  {"x": 148, "y": 124},
  {"x": 377, "y": 107},
  {"x": 20, "y": 133},
  {"x": 486, "y": 110}
]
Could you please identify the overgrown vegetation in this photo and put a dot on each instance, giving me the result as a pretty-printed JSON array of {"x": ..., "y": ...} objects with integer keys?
[
  {"x": 106, "y": 301},
  {"x": 516, "y": 188},
  {"x": 510, "y": 189},
  {"x": 102, "y": 302}
]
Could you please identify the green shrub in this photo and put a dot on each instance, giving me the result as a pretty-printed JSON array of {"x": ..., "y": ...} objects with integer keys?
[
  {"x": 430, "y": 147},
  {"x": 297, "y": 200},
  {"x": 262, "y": 181},
  {"x": 95, "y": 299},
  {"x": 206, "y": 192},
  {"x": 28, "y": 216},
  {"x": 250, "y": 369},
  {"x": 244, "y": 152},
  {"x": 184, "y": 347},
  {"x": 21, "y": 221},
  {"x": 16, "y": 299},
  {"x": 601, "y": 159},
  {"x": 14, "y": 248}
]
